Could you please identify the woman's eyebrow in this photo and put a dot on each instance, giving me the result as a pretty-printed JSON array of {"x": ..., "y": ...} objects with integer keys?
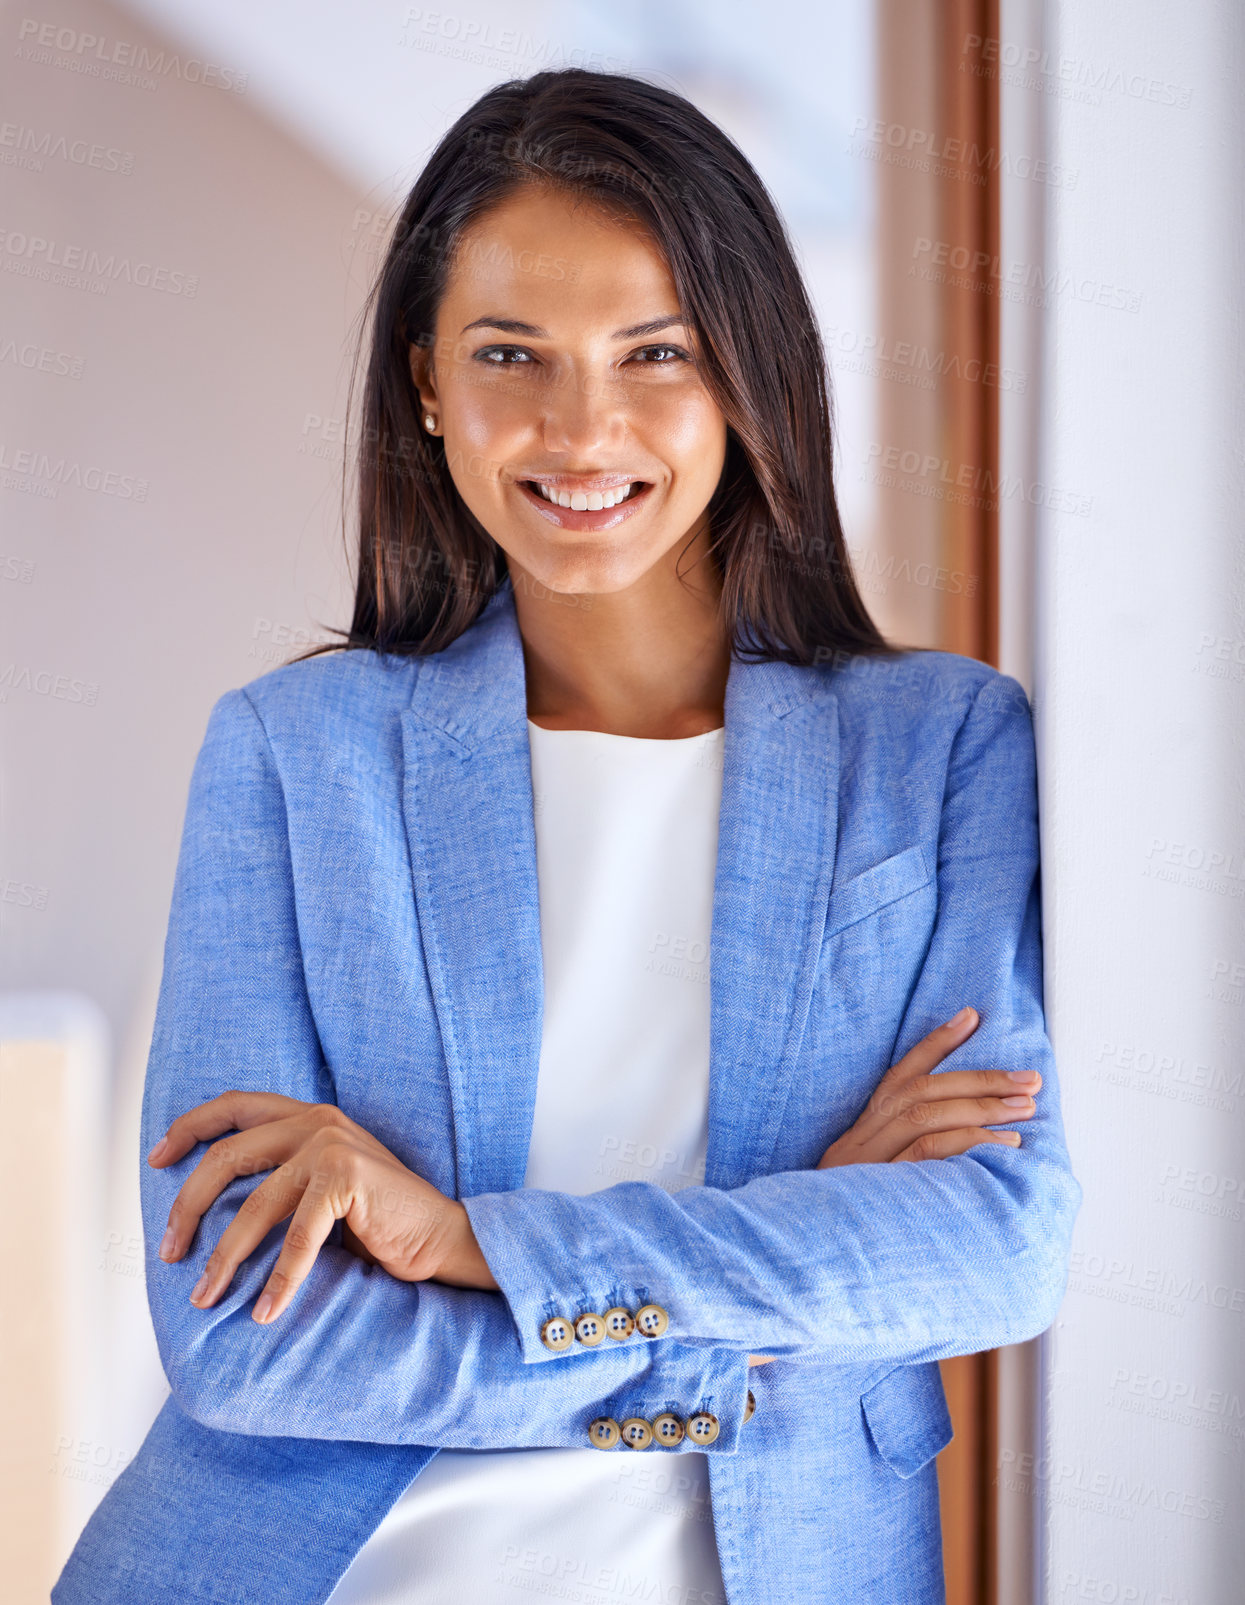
[{"x": 514, "y": 326}]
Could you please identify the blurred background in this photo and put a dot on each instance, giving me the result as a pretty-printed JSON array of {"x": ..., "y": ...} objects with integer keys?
[{"x": 1021, "y": 224}]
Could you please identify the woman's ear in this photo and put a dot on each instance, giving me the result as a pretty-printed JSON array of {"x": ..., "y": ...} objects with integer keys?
[{"x": 423, "y": 378}]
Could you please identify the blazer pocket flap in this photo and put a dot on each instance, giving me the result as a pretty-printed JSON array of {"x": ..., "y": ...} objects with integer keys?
[
  {"x": 874, "y": 888},
  {"x": 908, "y": 1417}
]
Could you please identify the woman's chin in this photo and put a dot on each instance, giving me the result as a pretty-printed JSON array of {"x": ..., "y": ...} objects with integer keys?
[{"x": 597, "y": 574}]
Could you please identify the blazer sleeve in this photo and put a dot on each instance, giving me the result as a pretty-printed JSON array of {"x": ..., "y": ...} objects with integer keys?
[
  {"x": 906, "y": 1262},
  {"x": 358, "y": 1354}
]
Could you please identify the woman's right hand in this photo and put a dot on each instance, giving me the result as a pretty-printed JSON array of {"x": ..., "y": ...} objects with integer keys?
[{"x": 913, "y": 1114}]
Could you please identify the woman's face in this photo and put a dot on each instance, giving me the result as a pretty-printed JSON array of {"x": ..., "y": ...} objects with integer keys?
[{"x": 561, "y": 360}]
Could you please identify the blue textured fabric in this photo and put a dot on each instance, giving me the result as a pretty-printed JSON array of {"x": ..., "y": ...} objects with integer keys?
[{"x": 355, "y": 919}]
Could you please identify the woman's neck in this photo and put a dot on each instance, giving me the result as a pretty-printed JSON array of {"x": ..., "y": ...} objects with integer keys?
[{"x": 649, "y": 661}]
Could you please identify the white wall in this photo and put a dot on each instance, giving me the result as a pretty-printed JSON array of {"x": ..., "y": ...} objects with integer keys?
[
  {"x": 169, "y": 520},
  {"x": 1140, "y": 665}
]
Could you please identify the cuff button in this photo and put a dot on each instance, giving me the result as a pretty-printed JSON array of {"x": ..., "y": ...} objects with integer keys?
[
  {"x": 668, "y": 1430},
  {"x": 636, "y": 1432},
  {"x": 652, "y": 1320},
  {"x": 703, "y": 1427},
  {"x": 618, "y": 1323},
  {"x": 752, "y": 1404},
  {"x": 590, "y": 1330},
  {"x": 556, "y": 1333},
  {"x": 604, "y": 1433}
]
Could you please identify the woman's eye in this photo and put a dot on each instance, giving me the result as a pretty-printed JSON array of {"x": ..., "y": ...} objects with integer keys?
[
  {"x": 674, "y": 354},
  {"x": 500, "y": 355}
]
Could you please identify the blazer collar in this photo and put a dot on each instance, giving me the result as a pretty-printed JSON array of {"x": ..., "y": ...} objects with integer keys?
[{"x": 467, "y": 805}]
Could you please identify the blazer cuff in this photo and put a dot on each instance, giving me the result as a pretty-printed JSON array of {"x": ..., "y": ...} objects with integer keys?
[
  {"x": 700, "y": 1376},
  {"x": 698, "y": 1386},
  {"x": 514, "y": 1240}
]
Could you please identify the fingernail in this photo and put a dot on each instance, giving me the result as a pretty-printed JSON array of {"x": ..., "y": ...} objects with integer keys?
[
  {"x": 200, "y": 1288},
  {"x": 1022, "y": 1075},
  {"x": 168, "y": 1243},
  {"x": 1012, "y": 1137},
  {"x": 157, "y": 1153},
  {"x": 262, "y": 1306},
  {"x": 962, "y": 1018},
  {"x": 1017, "y": 1103}
]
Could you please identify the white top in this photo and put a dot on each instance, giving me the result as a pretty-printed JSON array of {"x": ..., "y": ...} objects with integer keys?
[{"x": 626, "y": 847}]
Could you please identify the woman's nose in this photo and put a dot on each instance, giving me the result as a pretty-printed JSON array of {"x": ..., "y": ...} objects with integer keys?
[{"x": 583, "y": 416}]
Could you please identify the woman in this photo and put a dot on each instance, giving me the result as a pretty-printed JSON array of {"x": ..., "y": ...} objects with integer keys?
[{"x": 436, "y": 981}]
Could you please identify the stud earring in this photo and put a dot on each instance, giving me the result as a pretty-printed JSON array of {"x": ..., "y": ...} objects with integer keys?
[{"x": 429, "y": 421}]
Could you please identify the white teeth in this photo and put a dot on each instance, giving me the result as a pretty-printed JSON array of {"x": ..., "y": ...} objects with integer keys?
[{"x": 587, "y": 501}]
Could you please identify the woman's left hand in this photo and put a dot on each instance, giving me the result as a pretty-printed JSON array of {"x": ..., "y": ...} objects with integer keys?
[{"x": 325, "y": 1168}]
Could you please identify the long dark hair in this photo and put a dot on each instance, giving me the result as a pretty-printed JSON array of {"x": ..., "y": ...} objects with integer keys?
[{"x": 426, "y": 566}]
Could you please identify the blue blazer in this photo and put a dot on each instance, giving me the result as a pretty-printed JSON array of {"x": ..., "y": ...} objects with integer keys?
[{"x": 355, "y": 919}]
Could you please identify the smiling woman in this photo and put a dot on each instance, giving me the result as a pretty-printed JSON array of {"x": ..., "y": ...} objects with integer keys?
[
  {"x": 574, "y": 961},
  {"x": 590, "y": 288},
  {"x": 571, "y": 409},
  {"x": 589, "y": 453}
]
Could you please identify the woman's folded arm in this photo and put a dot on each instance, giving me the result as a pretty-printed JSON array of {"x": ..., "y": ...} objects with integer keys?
[
  {"x": 358, "y": 1354},
  {"x": 907, "y": 1261},
  {"x": 361, "y": 1355}
]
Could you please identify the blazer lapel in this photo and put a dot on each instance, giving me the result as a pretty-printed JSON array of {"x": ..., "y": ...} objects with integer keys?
[
  {"x": 467, "y": 803},
  {"x": 776, "y": 849}
]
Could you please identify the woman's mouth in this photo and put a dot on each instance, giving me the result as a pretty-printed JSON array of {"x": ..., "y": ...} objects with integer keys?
[{"x": 573, "y": 508}]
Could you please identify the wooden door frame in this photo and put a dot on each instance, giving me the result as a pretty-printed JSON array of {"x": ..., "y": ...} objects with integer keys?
[
  {"x": 969, "y": 209},
  {"x": 938, "y": 102}
]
